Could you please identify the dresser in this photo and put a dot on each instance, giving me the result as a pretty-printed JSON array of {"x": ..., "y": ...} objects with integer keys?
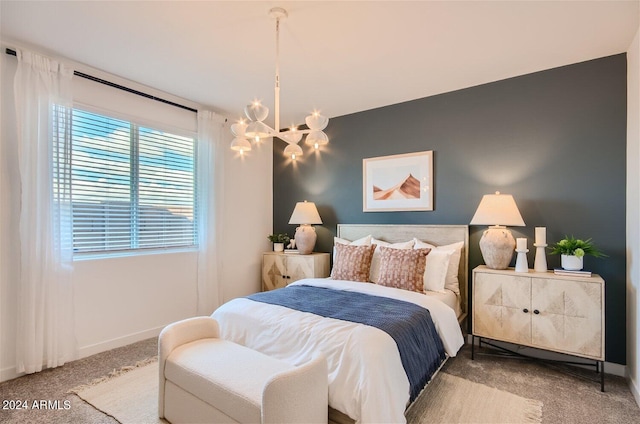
[
  {"x": 543, "y": 310},
  {"x": 281, "y": 269}
]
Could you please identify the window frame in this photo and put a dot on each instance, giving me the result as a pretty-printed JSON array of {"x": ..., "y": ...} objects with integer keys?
[{"x": 135, "y": 123}]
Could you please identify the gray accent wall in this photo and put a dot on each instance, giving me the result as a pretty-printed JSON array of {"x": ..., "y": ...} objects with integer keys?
[{"x": 555, "y": 140}]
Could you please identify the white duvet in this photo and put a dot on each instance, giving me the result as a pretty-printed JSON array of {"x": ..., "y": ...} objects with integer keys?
[{"x": 366, "y": 377}]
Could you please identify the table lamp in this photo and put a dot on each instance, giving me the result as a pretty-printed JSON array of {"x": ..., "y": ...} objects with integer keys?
[
  {"x": 305, "y": 214},
  {"x": 497, "y": 244}
]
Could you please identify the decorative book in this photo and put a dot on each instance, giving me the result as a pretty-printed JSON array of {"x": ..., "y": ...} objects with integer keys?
[{"x": 581, "y": 273}]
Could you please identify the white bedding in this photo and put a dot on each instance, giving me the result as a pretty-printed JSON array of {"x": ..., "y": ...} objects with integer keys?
[
  {"x": 368, "y": 384},
  {"x": 448, "y": 297}
]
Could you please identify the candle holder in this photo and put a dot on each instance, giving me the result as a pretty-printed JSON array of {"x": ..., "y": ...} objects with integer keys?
[
  {"x": 521, "y": 261},
  {"x": 540, "y": 263}
]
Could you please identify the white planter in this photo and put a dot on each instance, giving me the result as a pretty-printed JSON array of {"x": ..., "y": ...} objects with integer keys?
[
  {"x": 571, "y": 262},
  {"x": 278, "y": 247}
]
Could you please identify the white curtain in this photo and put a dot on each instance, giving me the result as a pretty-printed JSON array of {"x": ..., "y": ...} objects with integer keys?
[
  {"x": 45, "y": 327},
  {"x": 209, "y": 184}
]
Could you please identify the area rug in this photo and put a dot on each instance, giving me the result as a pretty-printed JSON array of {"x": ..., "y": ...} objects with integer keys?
[
  {"x": 130, "y": 395},
  {"x": 451, "y": 399}
]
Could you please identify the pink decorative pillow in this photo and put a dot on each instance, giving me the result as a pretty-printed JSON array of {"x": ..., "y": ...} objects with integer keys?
[
  {"x": 352, "y": 263},
  {"x": 403, "y": 268}
]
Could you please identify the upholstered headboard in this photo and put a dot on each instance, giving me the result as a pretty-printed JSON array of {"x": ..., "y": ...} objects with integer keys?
[{"x": 435, "y": 234}]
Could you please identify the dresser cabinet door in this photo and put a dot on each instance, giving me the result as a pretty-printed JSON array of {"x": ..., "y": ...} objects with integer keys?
[
  {"x": 569, "y": 317},
  {"x": 501, "y": 307}
]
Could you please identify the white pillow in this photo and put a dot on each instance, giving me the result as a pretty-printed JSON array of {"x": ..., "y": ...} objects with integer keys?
[
  {"x": 439, "y": 253},
  {"x": 374, "y": 271},
  {"x": 364, "y": 241}
]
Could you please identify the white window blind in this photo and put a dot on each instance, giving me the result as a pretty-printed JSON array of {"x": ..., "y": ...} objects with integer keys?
[{"x": 133, "y": 187}]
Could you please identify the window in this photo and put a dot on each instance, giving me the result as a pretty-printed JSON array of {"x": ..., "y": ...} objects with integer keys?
[{"x": 133, "y": 187}]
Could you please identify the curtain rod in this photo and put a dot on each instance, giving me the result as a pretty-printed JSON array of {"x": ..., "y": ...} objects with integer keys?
[{"x": 12, "y": 52}]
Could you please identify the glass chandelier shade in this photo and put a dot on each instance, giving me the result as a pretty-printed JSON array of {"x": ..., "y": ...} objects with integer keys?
[
  {"x": 240, "y": 144},
  {"x": 317, "y": 139},
  {"x": 256, "y": 111},
  {"x": 293, "y": 151},
  {"x": 256, "y": 129}
]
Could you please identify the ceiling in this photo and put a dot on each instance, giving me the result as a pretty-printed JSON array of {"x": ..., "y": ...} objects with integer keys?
[{"x": 336, "y": 56}]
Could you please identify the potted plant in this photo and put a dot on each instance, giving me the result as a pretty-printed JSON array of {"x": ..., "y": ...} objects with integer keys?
[
  {"x": 279, "y": 240},
  {"x": 573, "y": 250}
]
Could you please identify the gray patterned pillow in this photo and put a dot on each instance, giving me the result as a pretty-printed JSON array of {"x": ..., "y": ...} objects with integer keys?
[
  {"x": 402, "y": 268},
  {"x": 352, "y": 263}
]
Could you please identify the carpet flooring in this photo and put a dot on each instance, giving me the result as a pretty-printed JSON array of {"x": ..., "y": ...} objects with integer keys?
[{"x": 566, "y": 399}]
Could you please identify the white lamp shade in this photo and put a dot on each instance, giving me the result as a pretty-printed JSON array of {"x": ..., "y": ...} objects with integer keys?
[
  {"x": 317, "y": 138},
  {"x": 257, "y": 129},
  {"x": 291, "y": 136},
  {"x": 497, "y": 209},
  {"x": 256, "y": 111},
  {"x": 240, "y": 144},
  {"x": 238, "y": 129},
  {"x": 293, "y": 151},
  {"x": 316, "y": 122},
  {"x": 305, "y": 213}
]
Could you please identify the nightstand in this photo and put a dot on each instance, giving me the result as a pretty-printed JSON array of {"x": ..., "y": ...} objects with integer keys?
[
  {"x": 543, "y": 310},
  {"x": 281, "y": 269}
]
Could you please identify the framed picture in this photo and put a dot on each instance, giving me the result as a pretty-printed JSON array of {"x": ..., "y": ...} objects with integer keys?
[{"x": 398, "y": 183}]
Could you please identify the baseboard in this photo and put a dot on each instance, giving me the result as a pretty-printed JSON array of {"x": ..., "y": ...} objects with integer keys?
[
  {"x": 119, "y": 342},
  {"x": 634, "y": 389},
  {"x": 10, "y": 373},
  {"x": 609, "y": 367}
]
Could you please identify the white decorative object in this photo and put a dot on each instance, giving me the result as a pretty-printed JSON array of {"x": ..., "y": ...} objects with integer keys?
[
  {"x": 521, "y": 261},
  {"x": 305, "y": 214},
  {"x": 521, "y": 244},
  {"x": 256, "y": 113},
  {"x": 497, "y": 244},
  {"x": 541, "y": 235},
  {"x": 540, "y": 263},
  {"x": 278, "y": 247},
  {"x": 571, "y": 262}
]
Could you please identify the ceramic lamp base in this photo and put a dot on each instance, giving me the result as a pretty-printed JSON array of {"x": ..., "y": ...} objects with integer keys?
[
  {"x": 305, "y": 239},
  {"x": 497, "y": 246}
]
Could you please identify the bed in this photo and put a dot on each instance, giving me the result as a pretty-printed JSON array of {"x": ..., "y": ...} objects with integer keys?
[{"x": 367, "y": 378}]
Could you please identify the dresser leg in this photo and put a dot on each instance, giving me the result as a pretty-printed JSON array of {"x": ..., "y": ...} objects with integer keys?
[
  {"x": 601, "y": 376},
  {"x": 473, "y": 344}
]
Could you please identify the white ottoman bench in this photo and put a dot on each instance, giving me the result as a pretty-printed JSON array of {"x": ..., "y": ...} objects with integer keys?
[{"x": 204, "y": 379}]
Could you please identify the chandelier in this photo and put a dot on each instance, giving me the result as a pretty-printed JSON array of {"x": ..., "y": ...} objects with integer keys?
[{"x": 256, "y": 113}]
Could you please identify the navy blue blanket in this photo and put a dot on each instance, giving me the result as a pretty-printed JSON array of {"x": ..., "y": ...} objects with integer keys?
[{"x": 410, "y": 325}]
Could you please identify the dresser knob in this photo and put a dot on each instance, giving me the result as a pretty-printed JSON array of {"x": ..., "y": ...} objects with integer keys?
[
  {"x": 535, "y": 311},
  {"x": 525, "y": 310}
]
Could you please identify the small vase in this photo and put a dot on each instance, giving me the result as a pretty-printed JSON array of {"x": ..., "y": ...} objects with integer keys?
[
  {"x": 278, "y": 247},
  {"x": 571, "y": 262}
]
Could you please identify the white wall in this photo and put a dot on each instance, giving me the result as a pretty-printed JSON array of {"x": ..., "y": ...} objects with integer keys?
[
  {"x": 633, "y": 216},
  {"x": 247, "y": 217},
  {"x": 126, "y": 299}
]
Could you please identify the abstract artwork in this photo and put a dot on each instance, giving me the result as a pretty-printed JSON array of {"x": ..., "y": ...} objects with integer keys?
[{"x": 398, "y": 183}]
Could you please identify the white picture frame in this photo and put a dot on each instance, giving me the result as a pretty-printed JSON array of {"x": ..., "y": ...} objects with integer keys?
[{"x": 398, "y": 183}]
